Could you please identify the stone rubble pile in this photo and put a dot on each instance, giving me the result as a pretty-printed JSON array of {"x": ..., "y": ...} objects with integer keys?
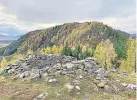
[{"x": 42, "y": 65}]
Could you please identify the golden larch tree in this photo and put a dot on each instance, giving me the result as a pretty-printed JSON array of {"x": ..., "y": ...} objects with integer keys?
[
  {"x": 30, "y": 51},
  {"x": 3, "y": 62},
  {"x": 54, "y": 49},
  {"x": 105, "y": 54},
  {"x": 130, "y": 63},
  {"x": 15, "y": 57}
]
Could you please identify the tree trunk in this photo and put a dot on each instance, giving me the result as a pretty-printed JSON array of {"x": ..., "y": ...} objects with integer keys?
[
  {"x": 135, "y": 68},
  {"x": 105, "y": 67}
]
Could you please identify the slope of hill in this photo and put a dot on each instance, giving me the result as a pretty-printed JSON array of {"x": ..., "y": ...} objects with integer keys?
[{"x": 87, "y": 33}]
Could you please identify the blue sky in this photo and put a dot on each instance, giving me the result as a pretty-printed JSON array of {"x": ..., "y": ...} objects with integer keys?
[{"x": 21, "y": 16}]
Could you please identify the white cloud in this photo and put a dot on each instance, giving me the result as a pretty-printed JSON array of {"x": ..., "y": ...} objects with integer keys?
[
  {"x": 22, "y": 16},
  {"x": 10, "y": 20},
  {"x": 127, "y": 24}
]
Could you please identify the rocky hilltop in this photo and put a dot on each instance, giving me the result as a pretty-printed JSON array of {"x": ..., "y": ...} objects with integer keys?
[
  {"x": 66, "y": 77},
  {"x": 87, "y": 33}
]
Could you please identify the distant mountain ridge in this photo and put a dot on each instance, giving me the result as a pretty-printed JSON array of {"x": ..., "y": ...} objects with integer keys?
[
  {"x": 133, "y": 35},
  {"x": 5, "y": 37},
  {"x": 87, "y": 33},
  {"x": 8, "y": 38}
]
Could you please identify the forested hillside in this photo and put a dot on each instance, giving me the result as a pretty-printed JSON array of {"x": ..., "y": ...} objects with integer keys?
[{"x": 88, "y": 33}]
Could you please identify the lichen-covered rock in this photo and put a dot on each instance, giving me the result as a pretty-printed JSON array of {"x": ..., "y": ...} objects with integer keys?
[
  {"x": 100, "y": 73},
  {"x": 131, "y": 86},
  {"x": 54, "y": 80},
  {"x": 69, "y": 66},
  {"x": 77, "y": 87},
  {"x": 24, "y": 74},
  {"x": 101, "y": 84},
  {"x": 41, "y": 96},
  {"x": 69, "y": 86},
  {"x": 80, "y": 77},
  {"x": 11, "y": 71}
]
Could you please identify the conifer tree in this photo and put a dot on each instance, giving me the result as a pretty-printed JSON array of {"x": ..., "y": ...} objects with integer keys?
[
  {"x": 105, "y": 54},
  {"x": 130, "y": 63},
  {"x": 67, "y": 50}
]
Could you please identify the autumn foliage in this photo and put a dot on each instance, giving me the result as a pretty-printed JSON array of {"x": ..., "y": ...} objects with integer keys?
[
  {"x": 129, "y": 64},
  {"x": 105, "y": 54},
  {"x": 3, "y": 62}
]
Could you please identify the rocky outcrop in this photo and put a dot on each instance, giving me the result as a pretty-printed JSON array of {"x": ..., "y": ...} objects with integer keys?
[{"x": 34, "y": 66}]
